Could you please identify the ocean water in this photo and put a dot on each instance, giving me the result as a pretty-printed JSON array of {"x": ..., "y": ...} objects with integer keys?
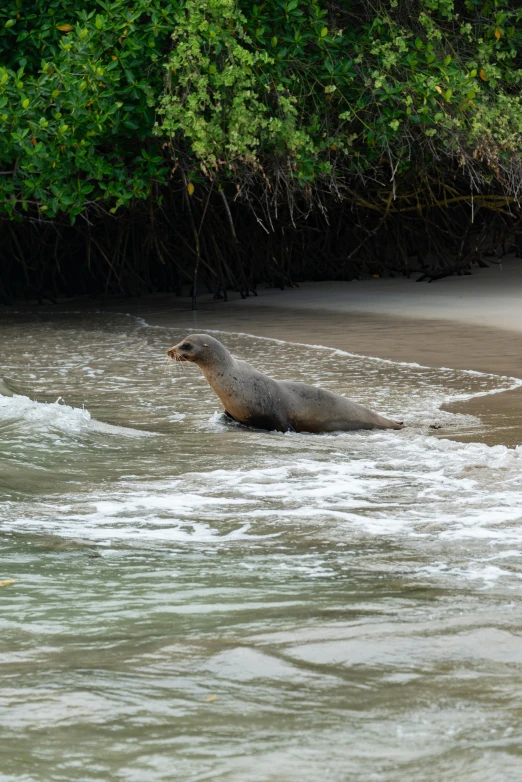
[{"x": 196, "y": 600}]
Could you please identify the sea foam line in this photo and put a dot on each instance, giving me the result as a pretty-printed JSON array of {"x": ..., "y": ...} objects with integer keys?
[{"x": 514, "y": 381}]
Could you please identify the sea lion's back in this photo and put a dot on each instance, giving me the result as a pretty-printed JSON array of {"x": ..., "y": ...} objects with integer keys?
[{"x": 320, "y": 410}]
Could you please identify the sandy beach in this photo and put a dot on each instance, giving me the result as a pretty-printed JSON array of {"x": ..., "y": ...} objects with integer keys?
[{"x": 468, "y": 322}]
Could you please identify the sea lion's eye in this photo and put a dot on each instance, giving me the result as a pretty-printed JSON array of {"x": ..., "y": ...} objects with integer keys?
[{"x": 186, "y": 346}]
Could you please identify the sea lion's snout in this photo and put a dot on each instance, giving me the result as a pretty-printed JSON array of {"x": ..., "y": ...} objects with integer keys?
[
  {"x": 196, "y": 348},
  {"x": 183, "y": 351},
  {"x": 174, "y": 355}
]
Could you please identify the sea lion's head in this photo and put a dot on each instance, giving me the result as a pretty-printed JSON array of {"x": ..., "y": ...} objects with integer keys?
[{"x": 199, "y": 348}]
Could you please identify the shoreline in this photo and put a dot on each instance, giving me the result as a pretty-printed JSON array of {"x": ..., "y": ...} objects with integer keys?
[
  {"x": 426, "y": 342},
  {"x": 436, "y": 343},
  {"x": 459, "y": 323}
]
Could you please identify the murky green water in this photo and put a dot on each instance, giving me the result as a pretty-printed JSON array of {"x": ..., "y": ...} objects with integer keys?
[{"x": 351, "y": 601}]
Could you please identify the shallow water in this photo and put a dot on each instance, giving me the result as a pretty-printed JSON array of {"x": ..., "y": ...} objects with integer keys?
[{"x": 352, "y": 601}]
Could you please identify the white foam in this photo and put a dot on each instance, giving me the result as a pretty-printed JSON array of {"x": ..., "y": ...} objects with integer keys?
[
  {"x": 39, "y": 416},
  {"x": 56, "y": 417},
  {"x": 423, "y": 491},
  {"x": 410, "y": 487}
]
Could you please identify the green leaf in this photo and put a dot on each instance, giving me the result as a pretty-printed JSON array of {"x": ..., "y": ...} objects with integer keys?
[{"x": 10, "y": 23}]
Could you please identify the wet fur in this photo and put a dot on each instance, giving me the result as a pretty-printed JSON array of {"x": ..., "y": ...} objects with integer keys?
[{"x": 255, "y": 399}]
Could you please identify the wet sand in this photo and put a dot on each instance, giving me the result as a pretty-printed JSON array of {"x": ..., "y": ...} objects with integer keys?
[{"x": 469, "y": 322}]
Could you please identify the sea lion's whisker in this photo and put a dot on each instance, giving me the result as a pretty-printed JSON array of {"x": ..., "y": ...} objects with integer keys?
[
  {"x": 167, "y": 366},
  {"x": 178, "y": 362},
  {"x": 171, "y": 365}
]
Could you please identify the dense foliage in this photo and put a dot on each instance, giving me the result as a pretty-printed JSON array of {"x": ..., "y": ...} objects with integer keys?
[
  {"x": 79, "y": 82},
  {"x": 336, "y": 90},
  {"x": 208, "y": 121}
]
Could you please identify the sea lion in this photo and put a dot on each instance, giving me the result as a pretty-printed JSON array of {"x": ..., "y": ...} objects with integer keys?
[{"x": 254, "y": 399}]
